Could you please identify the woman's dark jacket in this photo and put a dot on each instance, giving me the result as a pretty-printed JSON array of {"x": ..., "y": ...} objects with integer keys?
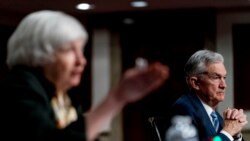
[{"x": 26, "y": 112}]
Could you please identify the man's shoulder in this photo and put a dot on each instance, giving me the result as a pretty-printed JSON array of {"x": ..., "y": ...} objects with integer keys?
[
  {"x": 185, "y": 98},
  {"x": 186, "y": 103}
]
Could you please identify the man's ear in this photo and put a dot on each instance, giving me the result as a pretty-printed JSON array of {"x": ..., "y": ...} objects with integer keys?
[{"x": 194, "y": 82}]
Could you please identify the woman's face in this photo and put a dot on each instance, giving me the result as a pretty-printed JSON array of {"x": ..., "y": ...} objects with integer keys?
[{"x": 66, "y": 70}]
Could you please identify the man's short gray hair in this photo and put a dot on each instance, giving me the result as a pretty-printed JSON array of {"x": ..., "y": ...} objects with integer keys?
[{"x": 197, "y": 63}]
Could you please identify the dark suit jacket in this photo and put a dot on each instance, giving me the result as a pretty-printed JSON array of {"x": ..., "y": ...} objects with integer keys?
[
  {"x": 190, "y": 105},
  {"x": 26, "y": 113}
]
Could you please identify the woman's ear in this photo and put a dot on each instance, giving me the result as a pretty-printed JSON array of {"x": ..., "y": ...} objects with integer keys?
[{"x": 194, "y": 82}]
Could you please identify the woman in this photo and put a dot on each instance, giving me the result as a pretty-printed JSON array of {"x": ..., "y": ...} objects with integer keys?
[{"x": 45, "y": 60}]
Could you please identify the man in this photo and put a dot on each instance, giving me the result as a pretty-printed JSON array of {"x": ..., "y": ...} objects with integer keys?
[{"x": 205, "y": 75}]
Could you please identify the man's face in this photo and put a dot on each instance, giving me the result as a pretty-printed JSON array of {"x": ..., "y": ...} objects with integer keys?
[{"x": 212, "y": 84}]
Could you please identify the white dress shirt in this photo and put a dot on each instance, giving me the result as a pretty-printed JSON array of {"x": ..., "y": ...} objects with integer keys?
[{"x": 209, "y": 110}]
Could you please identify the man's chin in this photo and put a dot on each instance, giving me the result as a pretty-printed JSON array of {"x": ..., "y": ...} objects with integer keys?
[{"x": 221, "y": 98}]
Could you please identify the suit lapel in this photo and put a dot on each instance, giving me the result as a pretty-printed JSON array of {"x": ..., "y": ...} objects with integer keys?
[{"x": 202, "y": 115}]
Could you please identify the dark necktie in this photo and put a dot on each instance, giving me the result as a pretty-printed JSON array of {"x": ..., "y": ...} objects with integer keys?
[{"x": 215, "y": 120}]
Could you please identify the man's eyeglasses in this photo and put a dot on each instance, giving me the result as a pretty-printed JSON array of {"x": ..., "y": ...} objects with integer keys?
[{"x": 214, "y": 76}]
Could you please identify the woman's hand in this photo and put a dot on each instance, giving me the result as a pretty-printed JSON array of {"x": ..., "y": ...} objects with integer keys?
[{"x": 136, "y": 83}]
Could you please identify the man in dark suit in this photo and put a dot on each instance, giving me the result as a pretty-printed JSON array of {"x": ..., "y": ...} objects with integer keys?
[{"x": 205, "y": 75}]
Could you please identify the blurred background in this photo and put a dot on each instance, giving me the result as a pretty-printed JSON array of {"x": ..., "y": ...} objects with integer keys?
[{"x": 168, "y": 31}]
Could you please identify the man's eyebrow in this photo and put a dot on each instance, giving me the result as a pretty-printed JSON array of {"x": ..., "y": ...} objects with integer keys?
[{"x": 214, "y": 73}]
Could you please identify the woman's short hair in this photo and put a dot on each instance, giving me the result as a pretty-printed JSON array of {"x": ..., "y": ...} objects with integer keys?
[
  {"x": 198, "y": 62},
  {"x": 39, "y": 34}
]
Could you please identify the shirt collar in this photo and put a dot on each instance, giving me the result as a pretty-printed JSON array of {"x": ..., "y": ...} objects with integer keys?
[{"x": 208, "y": 109}]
